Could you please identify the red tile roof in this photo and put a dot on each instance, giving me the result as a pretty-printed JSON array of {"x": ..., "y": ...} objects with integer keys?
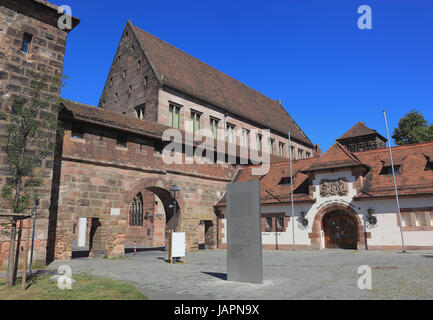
[
  {"x": 414, "y": 179},
  {"x": 187, "y": 74}
]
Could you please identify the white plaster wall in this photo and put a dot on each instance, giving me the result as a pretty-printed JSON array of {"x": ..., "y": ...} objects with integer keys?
[{"x": 386, "y": 232}]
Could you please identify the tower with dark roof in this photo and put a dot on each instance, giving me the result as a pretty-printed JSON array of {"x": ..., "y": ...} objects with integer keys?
[{"x": 361, "y": 138}]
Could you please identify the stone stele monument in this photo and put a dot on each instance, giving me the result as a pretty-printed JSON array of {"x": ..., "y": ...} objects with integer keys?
[{"x": 244, "y": 237}]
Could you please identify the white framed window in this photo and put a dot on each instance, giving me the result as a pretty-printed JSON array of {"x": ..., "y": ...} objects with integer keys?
[
  {"x": 244, "y": 137},
  {"x": 195, "y": 120},
  {"x": 300, "y": 154},
  {"x": 230, "y": 133},
  {"x": 281, "y": 149},
  {"x": 173, "y": 116},
  {"x": 259, "y": 142},
  {"x": 213, "y": 126},
  {"x": 271, "y": 145}
]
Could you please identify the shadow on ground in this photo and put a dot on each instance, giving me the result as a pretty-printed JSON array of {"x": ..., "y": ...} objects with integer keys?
[{"x": 219, "y": 275}]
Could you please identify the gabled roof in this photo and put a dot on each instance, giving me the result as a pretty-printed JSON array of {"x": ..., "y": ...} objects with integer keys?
[
  {"x": 179, "y": 70},
  {"x": 338, "y": 156},
  {"x": 359, "y": 130}
]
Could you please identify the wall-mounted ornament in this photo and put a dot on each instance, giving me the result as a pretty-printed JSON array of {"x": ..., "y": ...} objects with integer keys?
[
  {"x": 302, "y": 221},
  {"x": 336, "y": 187},
  {"x": 370, "y": 219}
]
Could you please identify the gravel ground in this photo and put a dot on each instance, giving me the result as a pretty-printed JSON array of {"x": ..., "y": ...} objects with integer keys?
[{"x": 325, "y": 274}]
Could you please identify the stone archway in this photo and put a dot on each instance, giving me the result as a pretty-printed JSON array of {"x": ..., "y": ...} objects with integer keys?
[
  {"x": 160, "y": 188},
  {"x": 316, "y": 233}
]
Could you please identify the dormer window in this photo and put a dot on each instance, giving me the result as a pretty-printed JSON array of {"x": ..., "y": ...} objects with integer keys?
[
  {"x": 27, "y": 38},
  {"x": 285, "y": 181},
  {"x": 387, "y": 170}
]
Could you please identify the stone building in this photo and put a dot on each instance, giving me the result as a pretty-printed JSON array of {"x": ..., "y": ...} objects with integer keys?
[
  {"x": 106, "y": 185},
  {"x": 346, "y": 199},
  {"x": 30, "y": 40}
]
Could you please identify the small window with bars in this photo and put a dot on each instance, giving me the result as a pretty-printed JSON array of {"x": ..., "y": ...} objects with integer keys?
[
  {"x": 268, "y": 224},
  {"x": 27, "y": 39}
]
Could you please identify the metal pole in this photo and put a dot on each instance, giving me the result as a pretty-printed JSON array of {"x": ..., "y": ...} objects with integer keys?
[
  {"x": 33, "y": 238},
  {"x": 174, "y": 220},
  {"x": 291, "y": 192},
  {"x": 395, "y": 184}
]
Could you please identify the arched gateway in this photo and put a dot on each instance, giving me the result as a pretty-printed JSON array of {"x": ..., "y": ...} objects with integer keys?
[{"x": 337, "y": 226}]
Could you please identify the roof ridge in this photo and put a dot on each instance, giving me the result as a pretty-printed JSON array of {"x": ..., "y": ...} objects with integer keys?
[{"x": 202, "y": 62}]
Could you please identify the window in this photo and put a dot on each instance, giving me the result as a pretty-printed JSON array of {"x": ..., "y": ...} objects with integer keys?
[
  {"x": 173, "y": 116},
  {"x": 307, "y": 155},
  {"x": 138, "y": 64},
  {"x": 124, "y": 73},
  {"x": 244, "y": 138},
  {"x": 429, "y": 165},
  {"x": 281, "y": 149},
  {"x": 214, "y": 127},
  {"x": 145, "y": 81},
  {"x": 285, "y": 180},
  {"x": 116, "y": 96},
  {"x": 140, "y": 110},
  {"x": 130, "y": 90},
  {"x": 387, "y": 170},
  {"x": 259, "y": 142},
  {"x": 271, "y": 145},
  {"x": 136, "y": 211},
  {"x": 230, "y": 133},
  {"x": 110, "y": 82},
  {"x": 280, "y": 223},
  {"x": 77, "y": 132},
  {"x": 27, "y": 38},
  {"x": 268, "y": 223},
  {"x": 122, "y": 140},
  {"x": 195, "y": 120},
  {"x": 300, "y": 154},
  {"x": 292, "y": 153}
]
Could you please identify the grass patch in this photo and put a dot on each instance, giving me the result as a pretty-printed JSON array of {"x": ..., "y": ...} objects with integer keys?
[
  {"x": 86, "y": 287},
  {"x": 37, "y": 265}
]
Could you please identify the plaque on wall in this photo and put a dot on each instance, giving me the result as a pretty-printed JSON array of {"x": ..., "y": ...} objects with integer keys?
[{"x": 244, "y": 239}]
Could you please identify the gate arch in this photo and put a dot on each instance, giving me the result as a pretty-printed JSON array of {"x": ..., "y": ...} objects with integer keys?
[{"x": 316, "y": 232}]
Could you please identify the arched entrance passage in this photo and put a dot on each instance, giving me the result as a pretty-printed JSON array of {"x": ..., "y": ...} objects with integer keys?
[
  {"x": 350, "y": 216},
  {"x": 150, "y": 214},
  {"x": 340, "y": 230}
]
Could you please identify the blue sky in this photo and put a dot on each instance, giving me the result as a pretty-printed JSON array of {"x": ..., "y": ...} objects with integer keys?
[{"x": 309, "y": 53}]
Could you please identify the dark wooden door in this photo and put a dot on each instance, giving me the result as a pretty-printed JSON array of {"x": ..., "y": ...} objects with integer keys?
[{"x": 340, "y": 231}]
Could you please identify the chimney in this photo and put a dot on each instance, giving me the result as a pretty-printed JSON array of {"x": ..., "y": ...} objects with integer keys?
[{"x": 317, "y": 151}]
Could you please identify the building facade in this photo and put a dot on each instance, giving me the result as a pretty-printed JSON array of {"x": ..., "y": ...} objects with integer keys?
[
  {"x": 346, "y": 199},
  {"x": 106, "y": 185}
]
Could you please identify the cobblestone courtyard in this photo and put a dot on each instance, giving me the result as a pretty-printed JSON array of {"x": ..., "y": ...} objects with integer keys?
[{"x": 326, "y": 274}]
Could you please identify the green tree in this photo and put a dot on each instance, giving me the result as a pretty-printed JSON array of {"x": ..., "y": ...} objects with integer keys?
[
  {"x": 412, "y": 128},
  {"x": 30, "y": 138}
]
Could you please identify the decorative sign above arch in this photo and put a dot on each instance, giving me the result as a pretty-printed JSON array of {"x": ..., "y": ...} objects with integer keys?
[{"x": 336, "y": 187}]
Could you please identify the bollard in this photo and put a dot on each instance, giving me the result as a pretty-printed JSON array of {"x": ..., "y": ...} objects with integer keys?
[{"x": 135, "y": 247}]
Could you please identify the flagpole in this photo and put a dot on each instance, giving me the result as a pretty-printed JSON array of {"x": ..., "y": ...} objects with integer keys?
[
  {"x": 291, "y": 191},
  {"x": 395, "y": 184}
]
